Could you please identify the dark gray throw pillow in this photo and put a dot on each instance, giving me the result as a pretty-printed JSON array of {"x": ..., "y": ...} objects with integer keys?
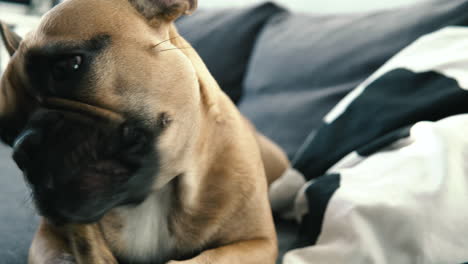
[
  {"x": 225, "y": 39},
  {"x": 18, "y": 221},
  {"x": 302, "y": 65}
]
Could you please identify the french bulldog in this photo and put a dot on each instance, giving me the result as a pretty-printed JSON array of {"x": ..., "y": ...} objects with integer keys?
[{"x": 132, "y": 151}]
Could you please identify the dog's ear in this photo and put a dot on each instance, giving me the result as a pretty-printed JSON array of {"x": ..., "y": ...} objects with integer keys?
[
  {"x": 15, "y": 103},
  {"x": 15, "y": 106},
  {"x": 167, "y": 10},
  {"x": 10, "y": 38}
]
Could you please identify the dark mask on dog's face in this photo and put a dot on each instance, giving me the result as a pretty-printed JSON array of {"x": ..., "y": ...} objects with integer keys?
[
  {"x": 81, "y": 162},
  {"x": 97, "y": 110}
]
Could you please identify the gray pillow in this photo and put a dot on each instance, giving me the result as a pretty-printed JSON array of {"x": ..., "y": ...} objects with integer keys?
[
  {"x": 18, "y": 221},
  {"x": 225, "y": 39},
  {"x": 302, "y": 65}
]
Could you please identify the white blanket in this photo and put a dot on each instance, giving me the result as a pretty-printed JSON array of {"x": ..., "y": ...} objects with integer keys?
[{"x": 405, "y": 200}]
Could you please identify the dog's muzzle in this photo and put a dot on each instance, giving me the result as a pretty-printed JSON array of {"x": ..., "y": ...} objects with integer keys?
[{"x": 81, "y": 161}]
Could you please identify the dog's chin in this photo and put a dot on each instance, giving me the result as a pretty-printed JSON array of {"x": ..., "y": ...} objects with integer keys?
[
  {"x": 65, "y": 218},
  {"x": 85, "y": 202},
  {"x": 96, "y": 190}
]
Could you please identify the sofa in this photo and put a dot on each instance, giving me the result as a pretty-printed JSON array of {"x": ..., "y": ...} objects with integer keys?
[{"x": 291, "y": 74}]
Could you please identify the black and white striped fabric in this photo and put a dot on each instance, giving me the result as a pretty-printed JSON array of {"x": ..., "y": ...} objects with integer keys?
[{"x": 385, "y": 179}]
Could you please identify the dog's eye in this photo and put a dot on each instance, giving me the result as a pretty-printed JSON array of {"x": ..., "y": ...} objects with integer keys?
[{"x": 65, "y": 67}]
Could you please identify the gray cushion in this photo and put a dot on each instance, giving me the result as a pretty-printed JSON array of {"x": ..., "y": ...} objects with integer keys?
[
  {"x": 18, "y": 220},
  {"x": 302, "y": 65},
  {"x": 225, "y": 39}
]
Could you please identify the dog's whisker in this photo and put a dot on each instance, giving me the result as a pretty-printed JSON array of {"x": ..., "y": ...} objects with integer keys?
[
  {"x": 175, "y": 49},
  {"x": 164, "y": 41},
  {"x": 28, "y": 199}
]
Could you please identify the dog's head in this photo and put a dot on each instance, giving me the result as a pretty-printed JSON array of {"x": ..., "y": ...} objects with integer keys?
[{"x": 100, "y": 104}]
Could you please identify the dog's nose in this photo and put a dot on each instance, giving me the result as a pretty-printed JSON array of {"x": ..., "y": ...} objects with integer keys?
[
  {"x": 25, "y": 146},
  {"x": 28, "y": 145}
]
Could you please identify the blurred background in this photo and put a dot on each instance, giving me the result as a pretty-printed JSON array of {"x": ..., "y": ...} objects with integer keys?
[
  {"x": 317, "y": 6},
  {"x": 24, "y": 14},
  {"x": 300, "y": 5},
  {"x": 18, "y": 10}
]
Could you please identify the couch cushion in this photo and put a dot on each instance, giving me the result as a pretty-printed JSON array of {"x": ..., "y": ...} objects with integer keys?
[
  {"x": 303, "y": 65},
  {"x": 18, "y": 219},
  {"x": 224, "y": 39},
  {"x": 377, "y": 159}
]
